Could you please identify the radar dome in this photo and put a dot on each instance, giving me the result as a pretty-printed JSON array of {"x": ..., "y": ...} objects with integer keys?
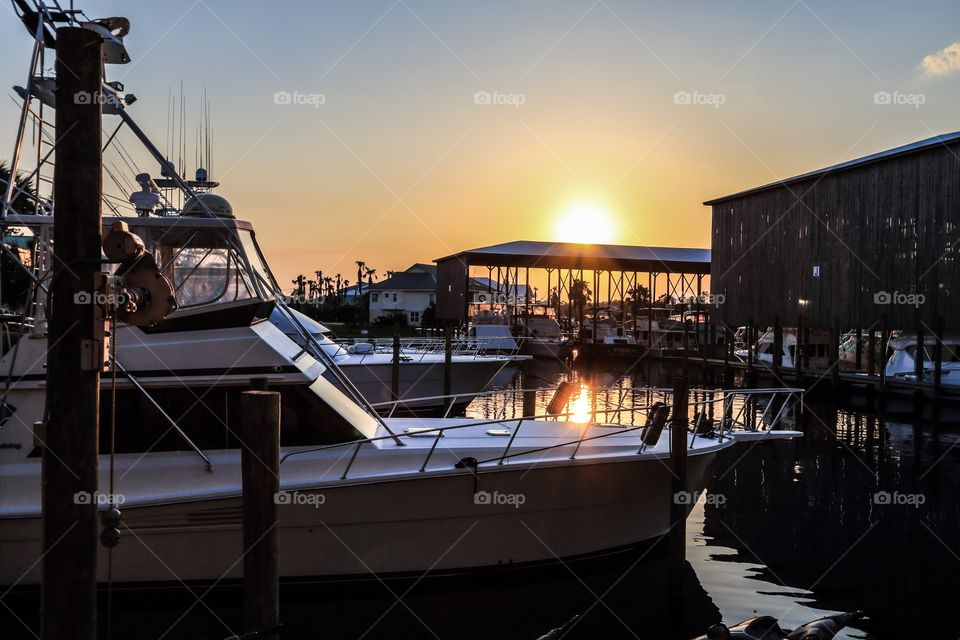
[{"x": 218, "y": 205}]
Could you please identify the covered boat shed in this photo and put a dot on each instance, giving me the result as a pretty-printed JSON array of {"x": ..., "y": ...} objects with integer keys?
[
  {"x": 856, "y": 245},
  {"x": 618, "y": 267}
]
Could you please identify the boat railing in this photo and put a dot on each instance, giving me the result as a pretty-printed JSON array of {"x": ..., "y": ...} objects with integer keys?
[
  {"x": 740, "y": 409},
  {"x": 418, "y": 348}
]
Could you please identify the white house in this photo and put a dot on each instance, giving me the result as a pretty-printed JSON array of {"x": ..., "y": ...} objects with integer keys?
[{"x": 408, "y": 292}]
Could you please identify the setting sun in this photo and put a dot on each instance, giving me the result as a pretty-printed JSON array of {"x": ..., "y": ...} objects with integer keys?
[{"x": 585, "y": 222}]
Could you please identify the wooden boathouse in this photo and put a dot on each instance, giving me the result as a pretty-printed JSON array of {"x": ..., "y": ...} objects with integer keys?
[{"x": 868, "y": 245}]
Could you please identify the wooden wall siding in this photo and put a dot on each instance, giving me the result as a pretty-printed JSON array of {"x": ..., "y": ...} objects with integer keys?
[{"x": 889, "y": 226}]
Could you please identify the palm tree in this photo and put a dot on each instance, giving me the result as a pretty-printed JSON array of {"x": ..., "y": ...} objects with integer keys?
[
  {"x": 638, "y": 296},
  {"x": 361, "y": 265},
  {"x": 23, "y": 200},
  {"x": 579, "y": 297}
]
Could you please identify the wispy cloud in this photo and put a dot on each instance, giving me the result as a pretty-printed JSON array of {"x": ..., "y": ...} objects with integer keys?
[{"x": 944, "y": 61}]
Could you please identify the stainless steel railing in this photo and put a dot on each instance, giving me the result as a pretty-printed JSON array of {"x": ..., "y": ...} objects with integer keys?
[{"x": 740, "y": 409}]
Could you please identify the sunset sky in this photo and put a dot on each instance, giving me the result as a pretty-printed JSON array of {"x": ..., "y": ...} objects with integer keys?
[{"x": 419, "y": 128}]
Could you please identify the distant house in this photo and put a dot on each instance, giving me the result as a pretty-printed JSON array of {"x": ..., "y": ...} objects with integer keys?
[
  {"x": 353, "y": 294},
  {"x": 409, "y": 293}
]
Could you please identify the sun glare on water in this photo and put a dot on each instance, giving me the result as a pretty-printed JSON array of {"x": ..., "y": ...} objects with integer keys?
[{"x": 585, "y": 222}]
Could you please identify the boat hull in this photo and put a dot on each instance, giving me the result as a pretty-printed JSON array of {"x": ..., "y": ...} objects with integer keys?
[{"x": 438, "y": 523}]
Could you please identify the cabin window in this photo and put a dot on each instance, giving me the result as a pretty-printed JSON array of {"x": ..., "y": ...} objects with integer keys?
[
  {"x": 211, "y": 418},
  {"x": 375, "y": 297},
  {"x": 205, "y": 265}
]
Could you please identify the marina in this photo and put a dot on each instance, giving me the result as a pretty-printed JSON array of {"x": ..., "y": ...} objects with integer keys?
[{"x": 594, "y": 433}]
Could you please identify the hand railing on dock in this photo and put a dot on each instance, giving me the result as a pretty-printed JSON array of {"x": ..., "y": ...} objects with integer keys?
[{"x": 739, "y": 410}]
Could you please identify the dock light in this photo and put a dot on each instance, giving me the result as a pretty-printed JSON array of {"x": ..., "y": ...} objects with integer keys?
[{"x": 803, "y": 302}]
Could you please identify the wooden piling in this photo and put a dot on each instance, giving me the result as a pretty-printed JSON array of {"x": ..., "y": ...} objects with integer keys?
[
  {"x": 75, "y": 338},
  {"x": 679, "y": 499},
  {"x": 395, "y": 363},
  {"x": 938, "y": 368},
  {"x": 448, "y": 359},
  {"x": 260, "y": 464},
  {"x": 777, "y": 344}
]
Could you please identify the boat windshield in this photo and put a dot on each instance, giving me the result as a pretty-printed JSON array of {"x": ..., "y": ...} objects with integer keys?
[{"x": 209, "y": 265}]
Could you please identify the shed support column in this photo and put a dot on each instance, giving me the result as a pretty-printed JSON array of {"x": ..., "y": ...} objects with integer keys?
[{"x": 777, "y": 344}]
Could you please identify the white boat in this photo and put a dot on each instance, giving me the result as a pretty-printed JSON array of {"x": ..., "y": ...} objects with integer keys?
[
  {"x": 902, "y": 361},
  {"x": 361, "y": 494},
  {"x": 369, "y": 366},
  {"x": 543, "y": 337},
  {"x": 817, "y": 352}
]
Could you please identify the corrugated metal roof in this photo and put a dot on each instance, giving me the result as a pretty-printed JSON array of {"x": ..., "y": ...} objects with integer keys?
[
  {"x": 913, "y": 147},
  {"x": 564, "y": 255}
]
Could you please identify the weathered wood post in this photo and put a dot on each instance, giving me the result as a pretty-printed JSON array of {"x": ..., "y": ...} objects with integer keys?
[
  {"x": 260, "y": 464},
  {"x": 858, "y": 358},
  {"x": 777, "y": 344},
  {"x": 448, "y": 359},
  {"x": 833, "y": 357},
  {"x": 395, "y": 364},
  {"x": 884, "y": 338},
  {"x": 937, "y": 370},
  {"x": 679, "y": 499},
  {"x": 69, "y": 500}
]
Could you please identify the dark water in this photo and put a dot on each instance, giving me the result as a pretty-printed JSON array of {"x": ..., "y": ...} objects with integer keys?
[{"x": 790, "y": 529}]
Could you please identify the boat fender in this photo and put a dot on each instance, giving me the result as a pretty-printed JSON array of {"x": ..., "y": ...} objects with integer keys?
[
  {"x": 718, "y": 632},
  {"x": 560, "y": 398},
  {"x": 656, "y": 420},
  {"x": 824, "y": 628}
]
